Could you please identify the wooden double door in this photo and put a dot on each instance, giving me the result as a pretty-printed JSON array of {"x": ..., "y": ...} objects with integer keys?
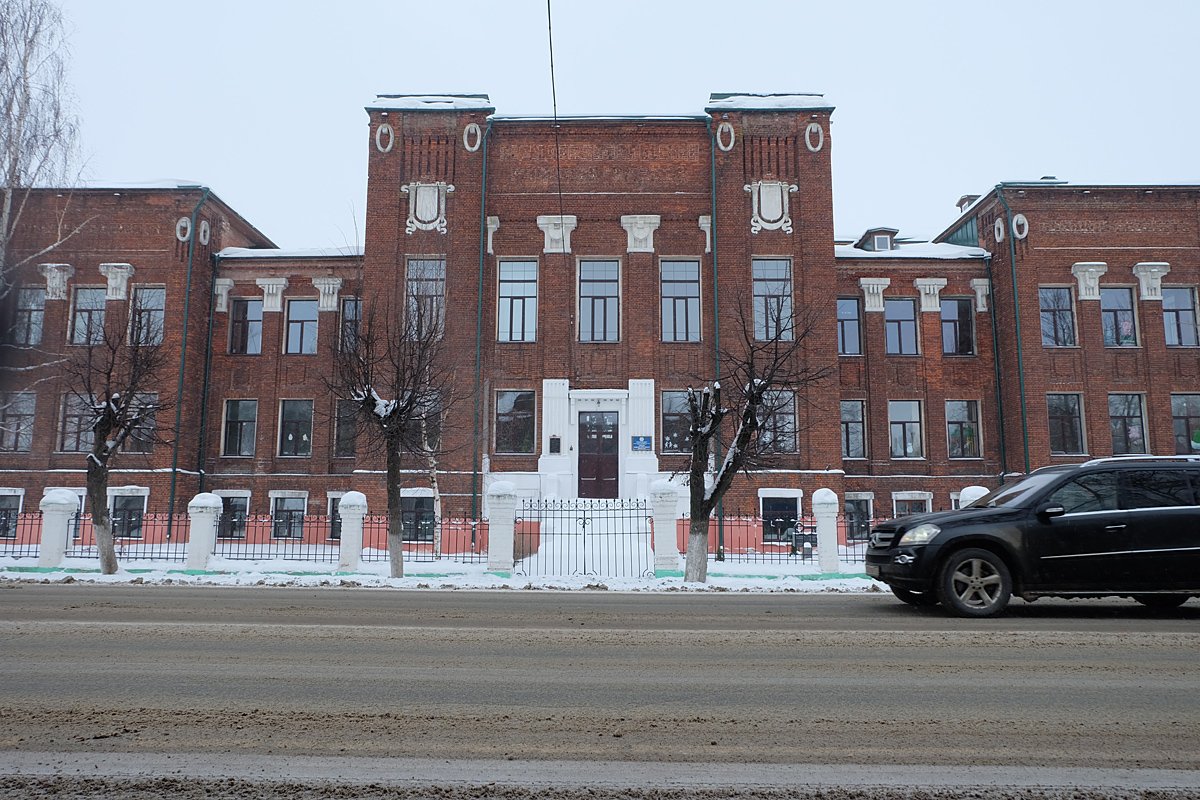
[{"x": 599, "y": 455}]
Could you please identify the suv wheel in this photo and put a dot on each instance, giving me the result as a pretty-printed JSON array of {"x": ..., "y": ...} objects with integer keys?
[
  {"x": 915, "y": 598},
  {"x": 974, "y": 583}
]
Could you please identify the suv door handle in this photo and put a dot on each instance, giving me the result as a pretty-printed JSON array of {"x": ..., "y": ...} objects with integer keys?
[{"x": 1114, "y": 527}]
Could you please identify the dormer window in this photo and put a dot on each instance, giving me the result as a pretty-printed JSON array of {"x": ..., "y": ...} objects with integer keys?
[
  {"x": 882, "y": 241},
  {"x": 877, "y": 239}
]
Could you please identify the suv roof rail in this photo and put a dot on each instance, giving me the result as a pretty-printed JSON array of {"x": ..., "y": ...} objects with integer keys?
[{"x": 1140, "y": 457}]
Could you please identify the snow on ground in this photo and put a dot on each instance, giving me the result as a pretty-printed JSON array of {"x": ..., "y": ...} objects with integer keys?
[{"x": 722, "y": 576}]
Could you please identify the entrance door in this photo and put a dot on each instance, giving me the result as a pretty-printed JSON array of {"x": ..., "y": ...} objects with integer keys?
[{"x": 598, "y": 456}]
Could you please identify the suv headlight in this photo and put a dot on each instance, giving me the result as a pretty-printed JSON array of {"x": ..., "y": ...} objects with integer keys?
[{"x": 920, "y": 534}]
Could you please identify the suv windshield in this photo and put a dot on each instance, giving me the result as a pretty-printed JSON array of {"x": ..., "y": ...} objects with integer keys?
[{"x": 1018, "y": 493}]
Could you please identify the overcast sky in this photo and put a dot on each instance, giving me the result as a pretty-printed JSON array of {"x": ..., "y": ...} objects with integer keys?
[{"x": 263, "y": 101}]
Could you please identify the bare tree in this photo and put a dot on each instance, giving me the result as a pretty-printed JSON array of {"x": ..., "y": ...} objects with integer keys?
[
  {"x": 768, "y": 370},
  {"x": 37, "y": 127},
  {"x": 396, "y": 374},
  {"x": 112, "y": 403}
]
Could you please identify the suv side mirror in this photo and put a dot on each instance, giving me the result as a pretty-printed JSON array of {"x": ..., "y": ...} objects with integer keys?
[{"x": 1048, "y": 511}]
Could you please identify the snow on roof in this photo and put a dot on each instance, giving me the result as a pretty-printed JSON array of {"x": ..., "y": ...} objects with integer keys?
[
  {"x": 346, "y": 251},
  {"x": 160, "y": 183},
  {"x": 431, "y": 102},
  {"x": 733, "y": 101},
  {"x": 605, "y": 118},
  {"x": 939, "y": 250}
]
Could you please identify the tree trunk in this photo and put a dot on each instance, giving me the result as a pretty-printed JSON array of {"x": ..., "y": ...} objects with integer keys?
[
  {"x": 696, "y": 564},
  {"x": 395, "y": 535},
  {"x": 97, "y": 490},
  {"x": 431, "y": 464}
]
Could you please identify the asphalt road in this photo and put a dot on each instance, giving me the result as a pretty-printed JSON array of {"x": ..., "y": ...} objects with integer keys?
[{"x": 757, "y": 683}]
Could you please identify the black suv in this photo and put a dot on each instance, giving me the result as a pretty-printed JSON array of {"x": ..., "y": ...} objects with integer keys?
[{"x": 1111, "y": 526}]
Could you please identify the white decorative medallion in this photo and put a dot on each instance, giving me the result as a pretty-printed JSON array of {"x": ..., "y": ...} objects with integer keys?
[
  {"x": 385, "y": 138},
  {"x": 639, "y": 229},
  {"x": 426, "y": 206},
  {"x": 814, "y": 137},
  {"x": 472, "y": 137},
  {"x": 183, "y": 229},
  {"x": 725, "y": 137},
  {"x": 998, "y": 230},
  {"x": 1020, "y": 226},
  {"x": 770, "y": 205},
  {"x": 205, "y": 232}
]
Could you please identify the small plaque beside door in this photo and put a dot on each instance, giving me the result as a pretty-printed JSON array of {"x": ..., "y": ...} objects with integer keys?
[{"x": 643, "y": 444}]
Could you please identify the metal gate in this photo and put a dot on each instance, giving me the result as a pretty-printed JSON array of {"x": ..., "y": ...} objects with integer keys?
[{"x": 604, "y": 538}]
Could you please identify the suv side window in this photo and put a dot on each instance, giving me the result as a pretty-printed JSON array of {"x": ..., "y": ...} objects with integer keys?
[
  {"x": 1155, "y": 488},
  {"x": 1095, "y": 491}
]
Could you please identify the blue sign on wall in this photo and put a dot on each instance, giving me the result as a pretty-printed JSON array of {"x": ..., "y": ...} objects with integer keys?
[{"x": 643, "y": 444}]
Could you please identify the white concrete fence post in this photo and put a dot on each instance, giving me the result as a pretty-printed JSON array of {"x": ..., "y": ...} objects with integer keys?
[
  {"x": 970, "y": 494},
  {"x": 664, "y": 497},
  {"x": 58, "y": 506},
  {"x": 204, "y": 514},
  {"x": 351, "y": 508},
  {"x": 502, "y": 505},
  {"x": 825, "y": 508}
]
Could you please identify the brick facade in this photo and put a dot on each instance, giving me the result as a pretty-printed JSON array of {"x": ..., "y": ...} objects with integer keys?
[{"x": 450, "y": 182}]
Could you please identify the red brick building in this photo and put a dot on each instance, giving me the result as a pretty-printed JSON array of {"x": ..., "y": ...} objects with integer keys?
[{"x": 589, "y": 272}]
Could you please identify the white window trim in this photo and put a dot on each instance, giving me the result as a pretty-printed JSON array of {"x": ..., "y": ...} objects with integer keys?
[
  {"x": 332, "y": 499},
  {"x": 978, "y": 428},
  {"x": 700, "y": 297},
  {"x": 287, "y": 494},
  {"x": 887, "y": 241},
  {"x": 287, "y": 323},
  {"x": 796, "y": 494},
  {"x": 924, "y": 436},
  {"x": 620, "y": 300},
  {"x": 912, "y": 495},
  {"x": 6, "y": 492},
  {"x": 279, "y": 425},
  {"x": 1083, "y": 430},
  {"x": 225, "y": 418},
  {"x": 954, "y": 500},
  {"x": 869, "y": 497},
  {"x": 537, "y": 298}
]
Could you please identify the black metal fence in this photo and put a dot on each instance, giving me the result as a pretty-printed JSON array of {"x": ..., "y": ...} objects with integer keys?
[
  {"x": 427, "y": 538},
  {"x": 285, "y": 536},
  {"x": 609, "y": 538},
  {"x": 136, "y": 535},
  {"x": 752, "y": 539},
  {"x": 20, "y": 534}
]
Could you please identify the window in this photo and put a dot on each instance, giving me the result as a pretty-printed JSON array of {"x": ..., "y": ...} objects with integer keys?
[
  {"x": 1094, "y": 491},
  {"x": 10, "y": 507},
  {"x": 900, "y": 324},
  {"x": 1155, "y": 488},
  {"x": 234, "y": 511},
  {"x": 1066, "y": 429},
  {"x": 418, "y": 519},
  {"x": 345, "y": 429},
  {"x": 287, "y": 517},
  {"x": 599, "y": 301},
  {"x": 849, "y": 327},
  {"x": 87, "y": 317},
  {"x": 854, "y": 443},
  {"x": 301, "y": 327},
  {"x": 245, "y": 327},
  {"x": 676, "y": 423},
  {"x": 514, "y": 422},
  {"x": 958, "y": 327},
  {"x": 141, "y": 437},
  {"x": 75, "y": 425},
  {"x": 517, "y": 314},
  {"x": 127, "y": 513},
  {"x": 904, "y": 424},
  {"x": 16, "y": 421},
  {"x": 779, "y": 515},
  {"x": 777, "y": 423},
  {"x": 680, "y": 301},
  {"x": 1185, "y": 420},
  {"x": 241, "y": 425},
  {"x": 907, "y": 506},
  {"x": 1179, "y": 317},
  {"x": 882, "y": 241},
  {"x": 351, "y": 318},
  {"x": 772, "y": 299},
  {"x": 1116, "y": 317},
  {"x": 149, "y": 315},
  {"x": 295, "y": 427},
  {"x": 1057, "y": 316},
  {"x": 962, "y": 428},
  {"x": 426, "y": 295},
  {"x": 1125, "y": 420},
  {"x": 858, "y": 518},
  {"x": 28, "y": 316}
]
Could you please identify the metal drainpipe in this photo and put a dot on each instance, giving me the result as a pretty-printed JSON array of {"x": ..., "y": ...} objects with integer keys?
[
  {"x": 479, "y": 326},
  {"x": 1012, "y": 264},
  {"x": 187, "y": 306},
  {"x": 208, "y": 354},
  {"x": 712, "y": 166},
  {"x": 999, "y": 373}
]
